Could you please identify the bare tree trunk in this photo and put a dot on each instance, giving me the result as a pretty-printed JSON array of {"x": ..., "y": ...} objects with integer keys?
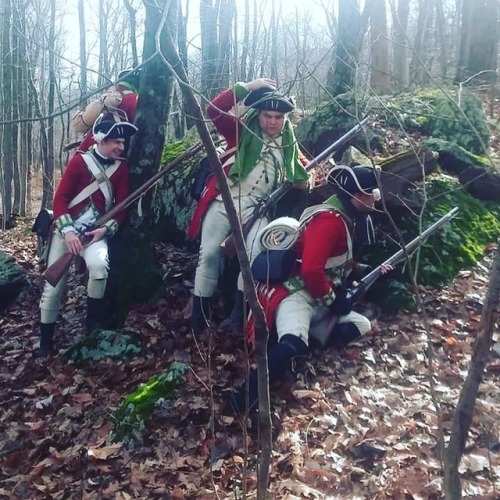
[
  {"x": 47, "y": 194},
  {"x": 216, "y": 22},
  {"x": 419, "y": 67},
  {"x": 379, "y": 76},
  {"x": 103, "y": 45},
  {"x": 19, "y": 203},
  {"x": 400, "y": 50},
  {"x": 479, "y": 34},
  {"x": 83, "y": 51},
  {"x": 262, "y": 333},
  {"x": 441, "y": 33},
  {"x": 7, "y": 98},
  {"x": 274, "y": 42},
  {"x": 464, "y": 411},
  {"x": 133, "y": 35},
  {"x": 251, "y": 73},
  {"x": 348, "y": 48},
  {"x": 48, "y": 177},
  {"x": 141, "y": 278},
  {"x": 24, "y": 111},
  {"x": 243, "y": 73}
]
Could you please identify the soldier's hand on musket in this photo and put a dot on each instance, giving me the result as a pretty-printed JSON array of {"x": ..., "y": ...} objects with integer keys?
[
  {"x": 386, "y": 268},
  {"x": 96, "y": 234},
  {"x": 258, "y": 83},
  {"x": 73, "y": 242}
]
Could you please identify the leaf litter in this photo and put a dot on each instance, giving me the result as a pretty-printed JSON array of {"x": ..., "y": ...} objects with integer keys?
[{"x": 355, "y": 424}]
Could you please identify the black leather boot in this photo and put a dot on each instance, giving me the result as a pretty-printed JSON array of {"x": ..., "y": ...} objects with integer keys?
[
  {"x": 235, "y": 319},
  {"x": 343, "y": 334},
  {"x": 278, "y": 361},
  {"x": 46, "y": 348},
  {"x": 200, "y": 314},
  {"x": 95, "y": 314}
]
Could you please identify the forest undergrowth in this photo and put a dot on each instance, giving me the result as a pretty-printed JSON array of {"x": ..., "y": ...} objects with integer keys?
[{"x": 355, "y": 423}]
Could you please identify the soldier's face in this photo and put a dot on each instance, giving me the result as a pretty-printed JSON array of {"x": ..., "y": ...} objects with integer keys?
[
  {"x": 364, "y": 202},
  {"x": 271, "y": 122},
  {"x": 112, "y": 148}
]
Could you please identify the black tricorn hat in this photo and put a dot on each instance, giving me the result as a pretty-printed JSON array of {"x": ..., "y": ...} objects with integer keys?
[
  {"x": 108, "y": 129},
  {"x": 359, "y": 179},
  {"x": 269, "y": 99}
]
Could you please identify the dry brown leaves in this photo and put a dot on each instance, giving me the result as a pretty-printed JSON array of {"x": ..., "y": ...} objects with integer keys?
[{"x": 360, "y": 423}]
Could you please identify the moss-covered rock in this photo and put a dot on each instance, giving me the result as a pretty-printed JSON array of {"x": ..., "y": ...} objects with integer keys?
[
  {"x": 12, "y": 279},
  {"x": 330, "y": 121},
  {"x": 453, "y": 158},
  {"x": 456, "y": 246},
  {"x": 173, "y": 204},
  {"x": 450, "y": 116},
  {"x": 131, "y": 416}
]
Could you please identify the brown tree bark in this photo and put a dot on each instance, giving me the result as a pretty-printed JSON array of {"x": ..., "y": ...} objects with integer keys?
[
  {"x": 141, "y": 278},
  {"x": 48, "y": 168},
  {"x": 462, "y": 419},
  {"x": 24, "y": 111},
  {"x": 419, "y": 67},
  {"x": 19, "y": 203}
]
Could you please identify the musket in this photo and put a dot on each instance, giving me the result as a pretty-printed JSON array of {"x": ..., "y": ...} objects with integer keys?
[
  {"x": 323, "y": 329},
  {"x": 56, "y": 270},
  {"x": 228, "y": 244}
]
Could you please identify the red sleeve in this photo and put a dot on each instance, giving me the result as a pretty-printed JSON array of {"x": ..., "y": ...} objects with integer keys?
[
  {"x": 324, "y": 237},
  {"x": 129, "y": 105},
  {"x": 226, "y": 124},
  {"x": 74, "y": 179}
]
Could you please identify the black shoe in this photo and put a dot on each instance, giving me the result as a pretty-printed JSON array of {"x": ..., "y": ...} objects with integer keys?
[
  {"x": 200, "y": 314},
  {"x": 46, "y": 348},
  {"x": 343, "y": 334},
  {"x": 235, "y": 319},
  {"x": 95, "y": 314}
]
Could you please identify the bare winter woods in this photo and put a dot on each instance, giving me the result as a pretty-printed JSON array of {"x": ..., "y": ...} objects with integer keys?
[{"x": 56, "y": 55}]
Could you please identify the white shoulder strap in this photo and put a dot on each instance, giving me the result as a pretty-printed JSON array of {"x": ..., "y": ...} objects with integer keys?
[{"x": 101, "y": 181}]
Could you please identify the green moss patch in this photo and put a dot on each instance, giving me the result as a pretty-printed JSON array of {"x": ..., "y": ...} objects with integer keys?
[
  {"x": 131, "y": 416},
  {"x": 457, "y": 245}
]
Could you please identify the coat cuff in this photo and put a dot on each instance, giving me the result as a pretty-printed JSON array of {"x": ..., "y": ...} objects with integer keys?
[
  {"x": 111, "y": 226},
  {"x": 64, "y": 224},
  {"x": 326, "y": 300}
]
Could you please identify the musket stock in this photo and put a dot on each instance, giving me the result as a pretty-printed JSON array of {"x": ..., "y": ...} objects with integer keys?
[
  {"x": 323, "y": 329},
  {"x": 56, "y": 270}
]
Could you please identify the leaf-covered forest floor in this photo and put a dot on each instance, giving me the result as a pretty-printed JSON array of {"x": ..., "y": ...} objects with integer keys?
[{"x": 356, "y": 424}]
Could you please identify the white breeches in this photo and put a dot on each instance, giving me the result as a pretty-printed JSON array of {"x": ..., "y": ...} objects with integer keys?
[
  {"x": 96, "y": 260},
  {"x": 295, "y": 312},
  {"x": 215, "y": 229}
]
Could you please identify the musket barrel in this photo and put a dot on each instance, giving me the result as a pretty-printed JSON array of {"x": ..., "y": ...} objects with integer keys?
[{"x": 410, "y": 247}]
